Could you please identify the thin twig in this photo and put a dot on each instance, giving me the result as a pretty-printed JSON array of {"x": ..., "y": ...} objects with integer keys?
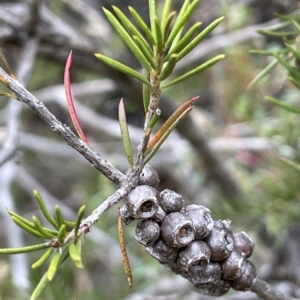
[
  {"x": 65, "y": 132},
  {"x": 265, "y": 291}
]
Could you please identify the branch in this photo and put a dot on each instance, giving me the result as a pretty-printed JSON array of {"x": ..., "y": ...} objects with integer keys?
[
  {"x": 65, "y": 132},
  {"x": 265, "y": 291}
]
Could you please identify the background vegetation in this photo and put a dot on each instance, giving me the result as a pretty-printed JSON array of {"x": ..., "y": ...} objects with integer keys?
[{"x": 228, "y": 149}]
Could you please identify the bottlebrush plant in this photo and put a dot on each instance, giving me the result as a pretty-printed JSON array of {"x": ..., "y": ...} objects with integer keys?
[{"x": 185, "y": 239}]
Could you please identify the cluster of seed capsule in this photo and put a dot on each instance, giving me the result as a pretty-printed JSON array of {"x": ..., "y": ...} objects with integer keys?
[{"x": 187, "y": 241}]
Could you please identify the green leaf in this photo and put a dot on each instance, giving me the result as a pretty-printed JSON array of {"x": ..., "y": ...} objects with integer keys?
[
  {"x": 263, "y": 73},
  {"x": 127, "y": 39},
  {"x": 199, "y": 38},
  {"x": 142, "y": 24},
  {"x": 166, "y": 29},
  {"x": 292, "y": 70},
  {"x": 291, "y": 163},
  {"x": 121, "y": 67},
  {"x": 40, "y": 287},
  {"x": 126, "y": 22},
  {"x": 197, "y": 70},
  {"x": 152, "y": 13},
  {"x": 25, "y": 249},
  {"x": 42, "y": 259},
  {"x": 295, "y": 82},
  {"x": 53, "y": 266},
  {"x": 27, "y": 228},
  {"x": 276, "y": 26},
  {"x": 297, "y": 26},
  {"x": 165, "y": 13},
  {"x": 283, "y": 105},
  {"x": 125, "y": 133},
  {"x": 21, "y": 219},
  {"x": 295, "y": 52},
  {"x": 75, "y": 254},
  {"x": 146, "y": 92},
  {"x": 158, "y": 35},
  {"x": 184, "y": 41},
  {"x": 79, "y": 218},
  {"x": 44, "y": 231},
  {"x": 181, "y": 21},
  {"x": 44, "y": 209},
  {"x": 58, "y": 216},
  {"x": 61, "y": 233},
  {"x": 276, "y": 33},
  {"x": 148, "y": 54},
  {"x": 169, "y": 67}
]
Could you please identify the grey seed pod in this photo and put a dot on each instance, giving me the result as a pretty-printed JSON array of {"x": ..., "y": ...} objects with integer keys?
[
  {"x": 174, "y": 268},
  {"x": 142, "y": 202},
  {"x": 125, "y": 215},
  {"x": 160, "y": 215},
  {"x": 220, "y": 242},
  {"x": 204, "y": 273},
  {"x": 202, "y": 220},
  {"x": 149, "y": 177},
  {"x": 232, "y": 266},
  {"x": 194, "y": 253},
  {"x": 147, "y": 232},
  {"x": 177, "y": 230},
  {"x": 247, "y": 279},
  {"x": 171, "y": 201},
  {"x": 216, "y": 288},
  {"x": 162, "y": 252},
  {"x": 243, "y": 242}
]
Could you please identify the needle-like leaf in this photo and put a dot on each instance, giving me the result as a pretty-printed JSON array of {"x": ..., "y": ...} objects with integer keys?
[
  {"x": 58, "y": 216},
  {"x": 165, "y": 13},
  {"x": 42, "y": 259},
  {"x": 79, "y": 218},
  {"x": 158, "y": 35},
  {"x": 24, "y": 249},
  {"x": 121, "y": 67},
  {"x": 53, "y": 266},
  {"x": 44, "y": 231},
  {"x": 72, "y": 110},
  {"x": 283, "y": 105},
  {"x": 146, "y": 92},
  {"x": 169, "y": 67},
  {"x": 75, "y": 254},
  {"x": 199, "y": 69},
  {"x": 125, "y": 133},
  {"x": 127, "y": 39}
]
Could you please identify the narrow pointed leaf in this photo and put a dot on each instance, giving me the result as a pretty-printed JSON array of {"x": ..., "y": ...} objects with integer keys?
[
  {"x": 263, "y": 73},
  {"x": 53, "y": 266},
  {"x": 125, "y": 258},
  {"x": 79, "y": 218},
  {"x": 72, "y": 110},
  {"x": 166, "y": 28},
  {"x": 182, "y": 20},
  {"x": 127, "y": 39},
  {"x": 158, "y": 35},
  {"x": 291, "y": 163},
  {"x": 154, "y": 118},
  {"x": 134, "y": 31},
  {"x": 27, "y": 228},
  {"x": 295, "y": 52},
  {"x": 21, "y": 219},
  {"x": 40, "y": 287},
  {"x": 276, "y": 26},
  {"x": 186, "y": 39},
  {"x": 172, "y": 119},
  {"x": 9, "y": 95},
  {"x": 75, "y": 255},
  {"x": 146, "y": 92},
  {"x": 25, "y": 249},
  {"x": 169, "y": 67},
  {"x": 125, "y": 133},
  {"x": 291, "y": 69},
  {"x": 199, "y": 38},
  {"x": 166, "y": 134},
  {"x": 44, "y": 209},
  {"x": 42, "y": 259},
  {"x": 142, "y": 24},
  {"x": 68, "y": 223},
  {"x": 152, "y": 13},
  {"x": 284, "y": 105},
  {"x": 44, "y": 231},
  {"x": 297, "y": 26},
  {"x": 61, "y": 233},
  {"x": 121, "y": 67},
  {"x": 197, "y": 70},
  {"x": 58, "y": 216},
  {"x": 295, "y": 82},
  {"x": 277, "y": 33},
  {"x": 145, "y": 50},
  {"x": 165, "y": 13}
]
